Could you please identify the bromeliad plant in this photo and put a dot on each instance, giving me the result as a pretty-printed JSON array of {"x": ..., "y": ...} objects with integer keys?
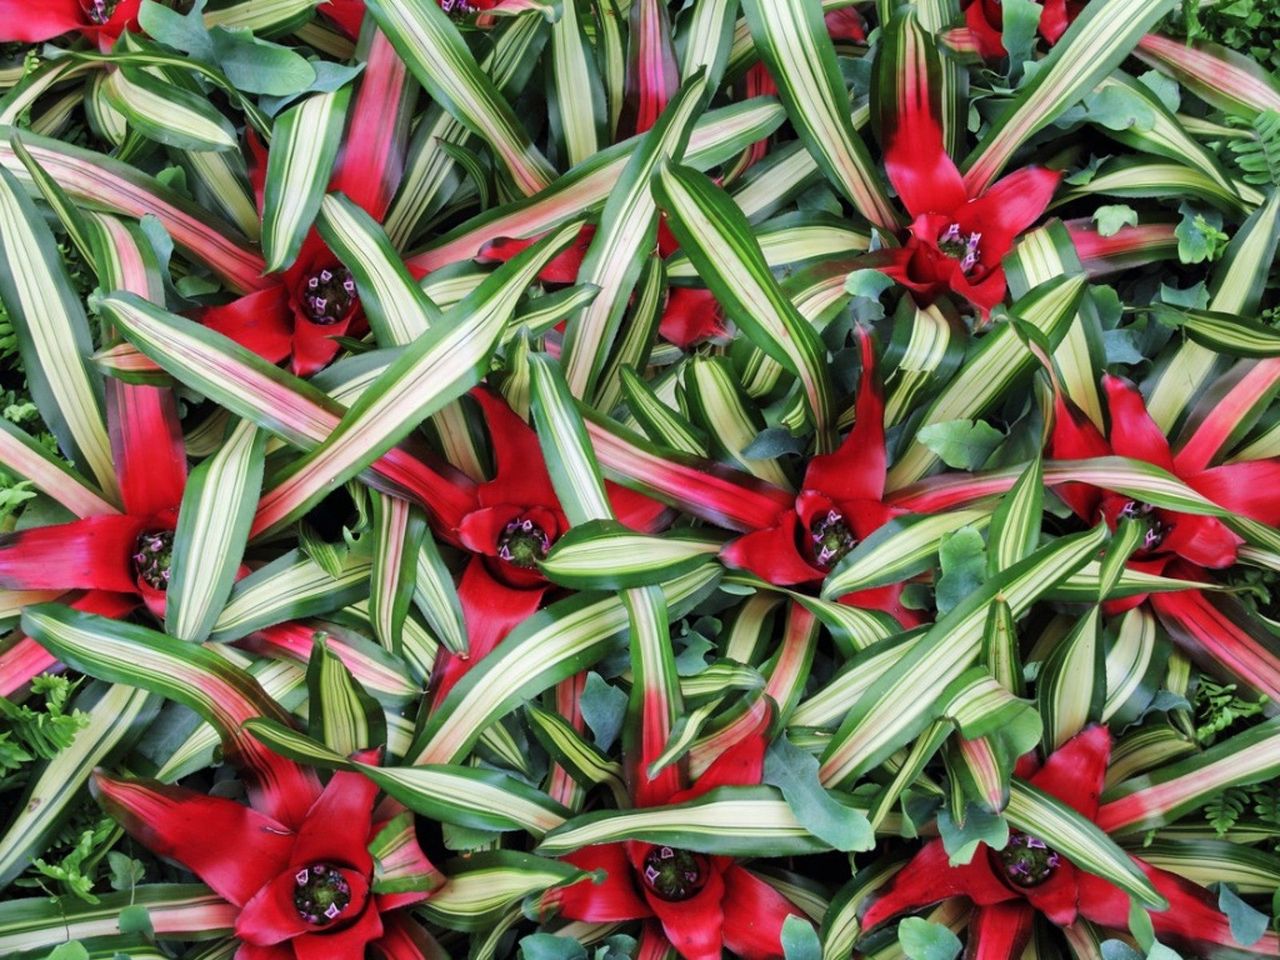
[{"x": 584, "y": 479}]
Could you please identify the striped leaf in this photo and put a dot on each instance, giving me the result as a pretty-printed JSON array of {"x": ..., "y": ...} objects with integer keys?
[
  {"x": 575, "y": 92},
  {"x": 1015, "y": 525},
  {"x": 583, "y": 761},
  {"x": 435, "y": 369},
  {"x": 398, "y": 311},
  {"x": 1155, "y": 799},
  {"x": 435, "y": 52},
  {"x": 117, "y": 716},
  {"x": 400, "y": 530},
  {"x": 1224, "y": 78},
  {"x": 566, "y": 449},
  {"x": 719, "y": 241},
  {"x": 727, "y": 821},
  {"x": 1236, "y": 287},
  {"x": 1072, "y": 684},
  {"x": 1080, "y": 841},
  {"x": 218, "y": 504},
  {"x": 1093, "y": 46},
  {"x": 340, "y": 713},
  {"x": 291, "y": 587},
  {"x": 25, "y": 457},
  {"x": 53, "y": 335},
  {"x": 104, "y": 182},
  {"x": 553, "y": 644},
  {"x": 176, "y": 910},
  {"x": 304, "y": 145},
  {"x": 902, "y": 700},
  {"x": 166, "y": 112},
  {"x": 604, "y": 555},
  {"x": 436, "y": 597},
  {"x": 897, "y": 551},
  {"x": 1222, "y": 332},
  {"x": 625, "y": 239},
  {"x": 927, "y": 346},
  {"x": 998, "y": 361},
  {"x": 716, "y": 402},
  {"x": 223, "y": 695},
  {"x": 483, "y": 885},
  {"x": 791, "y": 38},
  {"x": 716, "y": 137},
  {"x": 660, "y": 423}
]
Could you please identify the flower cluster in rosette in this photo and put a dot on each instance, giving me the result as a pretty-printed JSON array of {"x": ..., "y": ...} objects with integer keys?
[
  {"x": 703, "y": 903},
  {"x": 304, "y": 891},
  {"x": 1010, "y": 886}
]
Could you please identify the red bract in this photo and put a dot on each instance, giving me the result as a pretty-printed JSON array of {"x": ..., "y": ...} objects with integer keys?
[
  {"x": 985, "y": 19},
  {"x": 1008, "y": 887},
  {"x": 840, "y": 503},
  {"x": 515, "y": 520},
  {"x": 33, "y": 21},
  {"x": 702, "y": 903},
  {"x": 298, "y": 316},
  {"x": 305, "y": 892},
  {"x": 957, "y": 240},
  {"x": 122, "y": 559},
  {"x": 1205, "y": 542},
  {"x": 349, "y": 14}
]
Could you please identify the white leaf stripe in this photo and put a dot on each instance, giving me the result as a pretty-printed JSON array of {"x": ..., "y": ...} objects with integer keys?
[
  {"x": 1079, "y": 840},
  {"x": 53, "y": 335},
  {"x": 900, "y": 702},
  {"x": 21, "y": 454},
  {"x": 792, "y": 39},
  {"x": 566, "y": 448},
  {"x": 213, "y": 528},
  {"x": 538, "y": 653},
  {"x": 304, "y": 145},
  {"x": 435, "y": 369},
  {"x": 168, "y": 113},
  {"x": 437, "y": 55},
  {"x": 718, "y": 238}
]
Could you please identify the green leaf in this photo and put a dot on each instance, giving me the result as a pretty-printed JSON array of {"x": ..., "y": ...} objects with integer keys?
[
  {"x": 1247, "y": 924},
  {"x": 961, "y": 840},
  {"x": 1119, "y": 108},
  {"x": 126, "y": 872},
  {"x": 963, "y": 560},
  {"x": 922, "y": 940},
  {"x": 867, "y": 283},
  {"x": 68, "y": 951},
  {"x": 185, "y": 32},
  {"x": 259, "y": 66},
  {"x": 962, "y": 444},
  {"x": 1200, "y": 235},
  {"x": 548, "y": 946},
  {"x": 603, "y": 707},
  {"x": 1111, "y": 217},
  {"x": 136, "y": 918},
  {"x": 799, "y": 939},
  {"x": 1019, "y": 19},
  {"x": 795, "y": 773}
]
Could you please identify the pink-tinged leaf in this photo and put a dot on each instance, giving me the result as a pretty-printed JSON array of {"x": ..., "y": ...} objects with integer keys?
[
  {"x": 100, "y": 181},
  {"x": 403, "y": 938},
  {"x": 725, "y": 497},
  {"x": 1218, "y": 418},
  {"x": 1226, "y": 79},
  {"x": 369, "y": 168},
  {"x": 223, "y": 694},
  {"x": 21, "y": 454},
  {"x": 146, "y": 446},
  {"x": 607, "y": 897},
  {"x": 199, "y": 831},
  {"x": 1218, "y": 629},
  {"x": 26, "y": 658},
  {"x": 1130, "y": 246},
  {"x": 653, "y": 76}
]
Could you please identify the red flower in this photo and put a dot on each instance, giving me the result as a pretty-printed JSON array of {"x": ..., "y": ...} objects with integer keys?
[
  {"x": 121, "y": 558},
  {"x": 957, "y": 241},
  {"x": 310, "y": 303},
  {"x": 1205, "y": 542},
  {"x": 702, "y": 903},
  {"x": 515, "y": 520},
  {"x": 1009, "y": 886},
  {"x": 304, "y": 894},
  {"x": 348, "y": 14},
  {"x": 841, "y": 502},
  {"x": 985, "y": 19},
  {"x": 33, "y": 21}
]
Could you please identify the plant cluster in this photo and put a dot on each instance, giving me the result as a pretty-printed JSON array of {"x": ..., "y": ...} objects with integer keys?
[{"x": 629, "y": 479}]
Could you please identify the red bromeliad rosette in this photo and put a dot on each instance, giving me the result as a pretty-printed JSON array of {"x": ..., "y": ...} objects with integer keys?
[
  {"x": 700, "y": 904},
  {"x": 305, "y": 891},
  {"x": 515, "y": 521},
  {"x": 1010, "y": 886},
  {"x": 840, "y": 504}
]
